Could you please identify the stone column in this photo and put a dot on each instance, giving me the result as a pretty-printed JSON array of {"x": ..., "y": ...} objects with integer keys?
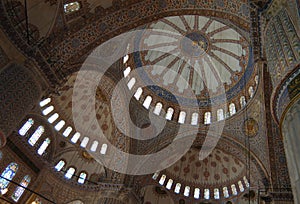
[
  {"x": 19, "y": 93},
  {"x": 291, "y": 135}
]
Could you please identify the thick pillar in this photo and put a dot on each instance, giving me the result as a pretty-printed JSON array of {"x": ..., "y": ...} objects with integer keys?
[
  {"x": 19, "y": 93},
  {"x": 290, "y": 128}
]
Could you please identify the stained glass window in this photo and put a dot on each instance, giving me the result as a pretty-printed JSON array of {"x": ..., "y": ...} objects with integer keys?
[
  {"x": 177, "y": 188},
  {"x": 82, "y": 177},
  {"x": 194, "y": 119},
  {"x": 67, "y": 131},
  {"x": 127, "y": 71},
  {"x": 225, "y": 192},
  {"x": 103, "y": 149},
  {"x": 71, "y": 7},
  {"x": 243, "y": 101},
  {"x": 8, "y": 174},
  {"x": 45, "y": 102},
  {"x": 147, "y": 102},
  {"x": 53, "y": 118},
  {"x": 169, "y": 114},
  {"x": 125, "y": 58},
  {"x": 20, "y": 189},
  {"x": 207, "y": 118},
  {"x": 186, "y": 191},
  {"x": 131, "y": 83},
  {"x": 94, "y": 146},
  {"x": 48, "y": 110},
  {"x": 241, "y": 186},
  {"x": 256, "y": 79},
  {"x": 251, "y": 91},
  {"x": 60, "y": 125},
  {"x": 155, "y": 175},
  {"x": 36, "y": 135},
  {"x": 206, "y": 194},
  {"x": 169, "y": 184},
  {"x": 220, "y": 114},
  {"x": 75, "y": 137},
  {"x": 197, "y": 193},
  {"x": 138, "y": 93},
  {"x": 44, "y": 146},
  {"x": 181, "y": 118},
  {"x": 84, "y": 142},
  {"x": 246, "y": 182},
  {"x": 216, "y": 193},
  {"x": 162, "y": 179},
  {"x": 70, "y": 173},
  {"x": 60, "y": 165},
  {"x": 233, "y": 188},
  {"x": 232, "y": 109},
  {"x": 24, "y": 129},
  {"x": 157, "y": 108}
]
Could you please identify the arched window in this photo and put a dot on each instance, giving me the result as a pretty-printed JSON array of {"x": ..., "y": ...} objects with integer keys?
[
  {"x": 53, "y": 118},
  {"x": 225, "y": 192},
  {"x": 44, "y": 146},
  {"x": 147, "y": 102},
  {"x": 233, "y": 188},
  {"x": 125, "y": 58},
  {"x": 36, "y": 135},
  {"x": 75, "y": 137},
  {"x": 243, "y": 101},
  {"x": 157, "y": 108},
  {"x": 206, "y": 193},
  {"x": 162, "y": 179},
  {"x": 181, "y": 118},
  {"x": 20, "y": 189},
  {"x": 138, "y": 93},
  {"x": 94, "y": 146},
  {"x": 70, "y": 173},
  {"x": 186, "y": 191},
  {"x": 71, "y": 7},
  {"x": 67, "y": 131},
  {"x": 169, "y": 184},
  {"x": 207, "y": 117},
  {"x": 216, "y": 193},
  {"x": 197, "y": 193},
  {"x": 24, "y": 129},
  {"x": 177, "y": 188},
  {"x": 155, "y": 175},
  {"x": 84, "y": 142},
  {"x": 251, "y": 91},
  {"x": 103, "y": 149},
  {"x": 48, "y": 110},
  {"x": 246, "y": 182},
  {"x": 169, "y": 114},
  {"x": 45, "y": 102},
  {"x": 60, "y": 165},
  {"x": 7, "y": 175},
  {"x": 131, "y": 83},
  {"x": 127, "y": 71},
  {"x": 241, "y": 187},
  {"x": 194, "y": 120},
  {"x": 232, "y": 109},
  {"x": 256, "y": 79},
  {"x": 60, "y": 125},
  {"x": 220, "y": 114},
  {"x": 82, "y": 177}
]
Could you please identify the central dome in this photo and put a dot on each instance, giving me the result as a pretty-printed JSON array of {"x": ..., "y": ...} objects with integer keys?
[{"x": 209, "y": 56}]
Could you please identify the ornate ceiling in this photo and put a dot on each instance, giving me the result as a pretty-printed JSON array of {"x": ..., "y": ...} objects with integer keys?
[{"x": 204, "y": 52}]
